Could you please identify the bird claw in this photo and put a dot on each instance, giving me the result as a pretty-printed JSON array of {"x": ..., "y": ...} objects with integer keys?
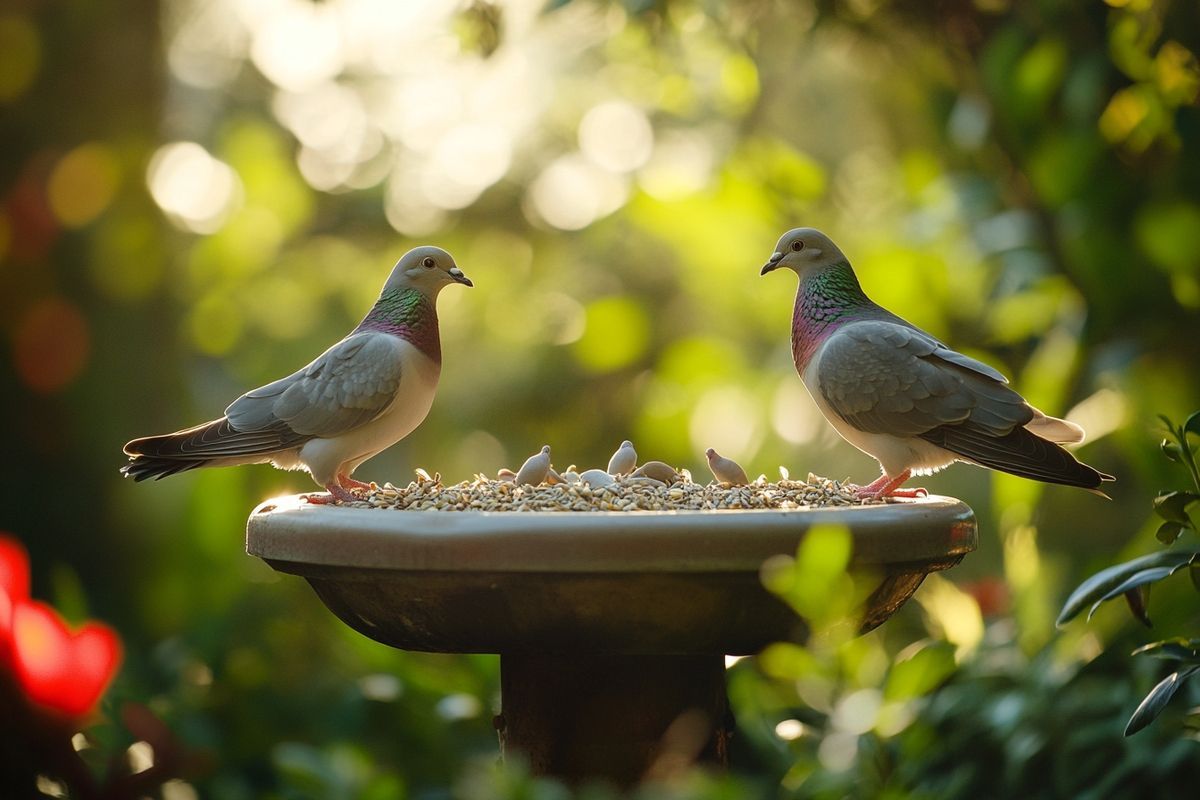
[
  {"x": 885, "y": 487},
  {"x": 349, "y": 483},
  {"x": 337, "y": 494}
]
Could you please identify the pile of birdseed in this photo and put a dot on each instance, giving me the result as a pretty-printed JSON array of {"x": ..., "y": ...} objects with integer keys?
[{"x": 625, "y": 493}]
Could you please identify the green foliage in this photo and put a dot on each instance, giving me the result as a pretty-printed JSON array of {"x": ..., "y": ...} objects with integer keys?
[
  {"x": 1133, "y": 579},
  {"x": 1023, "y": 184}
]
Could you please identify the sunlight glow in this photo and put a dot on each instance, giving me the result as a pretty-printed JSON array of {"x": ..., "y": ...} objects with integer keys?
[
  {"x": 681, "y": 164},
  {"x": 572, "y": 193},
  {"x": 1100, "y": 413},
  {"x": 406, "y": 208},
  {"x": 856, "y": 712},
  {"x": 141, "y": 757},
  {"x": 196, "y": 191},
  {"x": 616, "y": 136},
  {"x": 726, "y": 418},
  {"x": 176, "y": 789},
  {"x": 790, "y": 729},
  {"x": 207, "y": 47},
  {"x": 794, "y": 416},
  {"x": 459, "y": 706},
  {"x": 952, "y": 612},
  {"x": 299, "y": 44}
]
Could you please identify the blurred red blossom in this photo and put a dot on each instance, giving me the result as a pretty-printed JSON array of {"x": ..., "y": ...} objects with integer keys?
[
  {"x": 992, "y": 595},
  {"x": 56, "y": 668}
]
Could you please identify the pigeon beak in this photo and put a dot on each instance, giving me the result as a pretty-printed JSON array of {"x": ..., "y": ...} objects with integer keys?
[
  {"x": 772, "y": 263},
  {"x": 457, "y": 275}
]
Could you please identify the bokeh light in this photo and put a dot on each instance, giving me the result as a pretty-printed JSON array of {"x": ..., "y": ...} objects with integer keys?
[
  {"x": 82, "y": 184},
  {"x": 20, "y": 56},
  {"x": 51, "y": 345},
  {"x": 617, "y": 136},
  {"x": 616, "y": 332},
  {"x": 572, "y": 193},
  {"x": 197, "y": 191}
]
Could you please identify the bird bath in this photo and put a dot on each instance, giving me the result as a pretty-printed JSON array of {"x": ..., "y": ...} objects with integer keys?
[{"x": 611, "y": 627}]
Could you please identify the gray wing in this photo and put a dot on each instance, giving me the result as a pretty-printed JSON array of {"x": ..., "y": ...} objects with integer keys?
[
  {"x": 347, "y": 386},
  {"x": 885, "y": 377}
]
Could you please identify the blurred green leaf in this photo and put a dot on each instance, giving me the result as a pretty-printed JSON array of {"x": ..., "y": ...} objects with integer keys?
[
  {"x": 616, "y": 334},
  {"x": 1102, "y": 583},
  {"x": 918, "y": 675},
  {"x": 1038, "y": 75},
  {"x": 1170, "y": 234},
  {"x": 1177, "y": 649},
  {"x": 1171, "y": 450},
  {"x": 1157, "y": 699},
  {"x": 1136, "y": 599},
  {"x": 1134, "y": 581},
  {"x": 1172, "y": 506},
  {"x": 790, "y": 661},
  {"x": 1168, "y": 532},
  {"x": 305, "y": 769},
  {"x": 1192, "y": 424}
]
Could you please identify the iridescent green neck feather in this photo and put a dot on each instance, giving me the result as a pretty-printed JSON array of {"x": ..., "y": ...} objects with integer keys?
[
  {"x": 826, "y": 299},
  {"x": 409, "y": 314}
]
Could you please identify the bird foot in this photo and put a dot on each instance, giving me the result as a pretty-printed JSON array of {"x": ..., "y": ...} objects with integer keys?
[
  {"x": 349, "y": 483},
  {"x": 885, "y": 486},
  {"x": 337, "y": 494},
  {"x": 919, "y": 491}
]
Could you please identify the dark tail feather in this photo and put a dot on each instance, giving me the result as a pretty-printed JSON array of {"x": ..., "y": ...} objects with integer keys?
[
  {"x": 142, "y": 468},
  {"x": 1018, "y": 453},
  {"x": 159, "y": 456}
]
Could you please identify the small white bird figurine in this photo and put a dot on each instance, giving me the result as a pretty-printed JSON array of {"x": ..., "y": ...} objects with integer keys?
[
  {"x": 596, "y": 478},
  {"x": 725, "y": 470},
  {"x": 359, "y": 397},
  {"x": 624, "y": 460},
  {"x": 901, "y": 396},
  {"x": 535, "y": 469}
]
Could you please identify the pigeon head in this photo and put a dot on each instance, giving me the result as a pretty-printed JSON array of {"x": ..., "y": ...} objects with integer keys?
[
  {"x": 803, "y": 250},
  {"x": 427, "y": 269}
]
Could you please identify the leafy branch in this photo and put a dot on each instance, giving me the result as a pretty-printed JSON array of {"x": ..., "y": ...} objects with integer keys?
[{"x": 1133, "y": 579}]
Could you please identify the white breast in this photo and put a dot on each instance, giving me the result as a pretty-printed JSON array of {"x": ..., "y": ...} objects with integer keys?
[{"x": 326, "y": 458}]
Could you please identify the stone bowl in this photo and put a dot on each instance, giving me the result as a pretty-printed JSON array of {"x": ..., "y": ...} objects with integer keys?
[{"x": 644, "y": 582}]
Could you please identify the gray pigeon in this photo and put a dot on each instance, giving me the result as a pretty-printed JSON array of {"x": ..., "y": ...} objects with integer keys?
[
  {"x": 359, "y": 397},
  {"x": 903, "y": 397}
]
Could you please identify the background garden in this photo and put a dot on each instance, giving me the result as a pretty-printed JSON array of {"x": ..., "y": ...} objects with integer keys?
[{"x": 197, "y": 197}]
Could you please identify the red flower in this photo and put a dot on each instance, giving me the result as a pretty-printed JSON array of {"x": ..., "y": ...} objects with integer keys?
[
  {"x": 57, "y": 668},
  {"x": 14, "y": 587},
  {"x": 992, "y": 595}
]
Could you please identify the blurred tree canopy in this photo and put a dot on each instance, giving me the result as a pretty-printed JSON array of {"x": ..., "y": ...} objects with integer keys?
[{"x": 198, "y": 196}]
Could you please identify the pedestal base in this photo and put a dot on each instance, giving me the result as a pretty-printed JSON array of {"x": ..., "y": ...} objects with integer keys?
[{"x": 616, "y": 718}]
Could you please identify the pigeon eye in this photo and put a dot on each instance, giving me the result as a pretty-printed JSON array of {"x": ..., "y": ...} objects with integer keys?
[
  {"x": 797, "y": 245},
  {"x": 428, "y": 262}
]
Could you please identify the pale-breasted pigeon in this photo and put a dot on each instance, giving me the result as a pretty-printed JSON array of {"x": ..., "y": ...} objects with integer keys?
[
  {"x": 360, "y": 396},
  {"x": 903, "y": 397}
]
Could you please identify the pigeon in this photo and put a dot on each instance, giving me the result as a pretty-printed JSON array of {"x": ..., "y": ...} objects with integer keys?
[
  {"x": 535, "y": 469},
  {"x": 624, "y": 460},
  {"x": 901, "y": 396},
  {"x": 359, "y": 397},
  {"x": 725, "y": 470}
]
